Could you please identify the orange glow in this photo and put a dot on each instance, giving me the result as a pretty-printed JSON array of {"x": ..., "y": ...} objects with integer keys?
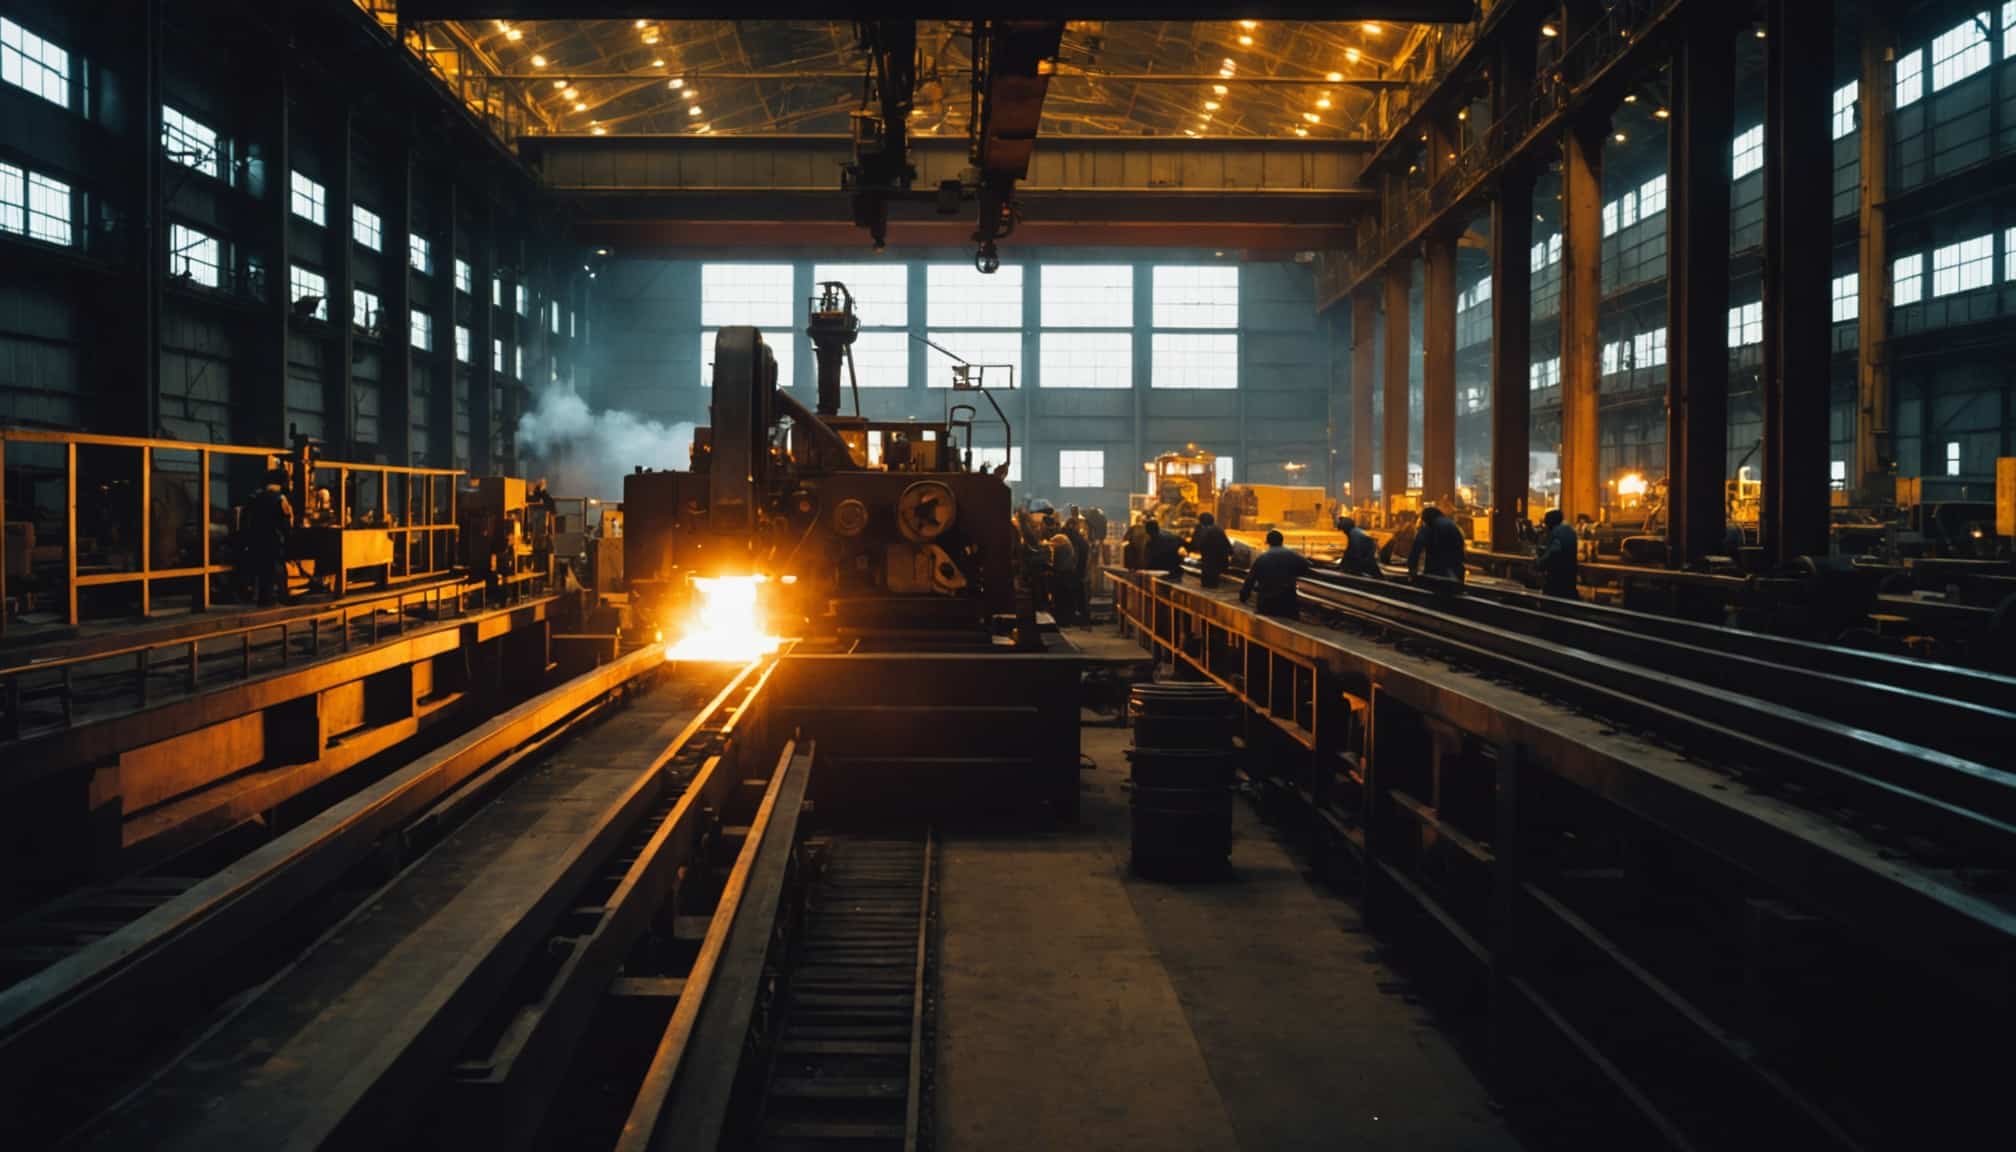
[{"x": 725, "y": 623}]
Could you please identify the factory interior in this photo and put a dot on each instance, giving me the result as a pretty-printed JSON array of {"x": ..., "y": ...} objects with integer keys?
[{"x": 609, "y": 575}]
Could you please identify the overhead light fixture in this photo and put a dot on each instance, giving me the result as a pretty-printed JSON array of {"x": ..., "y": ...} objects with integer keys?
[
  {"x": 559, "y": 83},
  {"x": 1301, "y": 131},
  {"x": 678, "y": 81},
  {"x": 1210, "y": 105},
  {"x": 1661, "y": 113},
  {"x": 1189, "y": 132},
  {"x": 598, "y": 130},
  {"x": 1619, "y": 137},
  {"x": 1413, "y": 168},
  {"x": 1372, "y": 28},
  {"x": 1312, "y": 117},
  {"x": 1228, "y": 63},
  {"x": 572, "y": 93},
  {"x": 1350, "y": 54},
  {"x": 1630, "y": 98},
  {"x": 1462, "y": 114},
  {"x": 1219, "y": 89},
  {"x": 1334, "y": 77},
  {"x": 659, "y": 63},
  {"x": 1249, "y": 25},
  {"x": 514, "y": 35},
  {"x": 1549, "y": 30},
  {"x": 1323, "y": 103},
  {"x": 1245, "y": 41},
  {"x": 651, "y": 37},
  {"x": 642, "y": 23},
  {"x": 1225, "y": 73},
  {"x": 580, "y": 107},
  {"x": 1760, "y": 32},
  {"x": 599, "y": 252},
  {"x": 538, "y": 61},
  {"x": 693, "y": 111},
  {"x": 1452, "y": 155},
  {"x": 689, "y": 94}
]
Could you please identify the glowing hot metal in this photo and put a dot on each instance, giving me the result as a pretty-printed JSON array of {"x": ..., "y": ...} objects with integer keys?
[{"x": 725, "y": 624}]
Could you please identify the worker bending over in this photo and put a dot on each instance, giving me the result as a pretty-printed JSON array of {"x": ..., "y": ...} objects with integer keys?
[
  {"x": 1211, "y": 547},
  {"x": 1274, "y": 573},
  {"x": 1438, "y": 547},
  {"x": 1361, "y": 555},
  {"x": 1162, "y": 552},
  {"x": 1559, "y": 547}
]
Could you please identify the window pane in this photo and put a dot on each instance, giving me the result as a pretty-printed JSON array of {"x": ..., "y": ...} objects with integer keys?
[
  {"x": 1747, "y": 152},
  {"x": 302, "y": 283},
  {"x": 194, "y": 256},
  {"x": 881, "y": 360},
  {"x": 1844, "y": 108},
  {"x": 960, "y": 295},
  {"x": 1960, "y": 51},
  {"x": 781, "y": 347},
  {"x": 1196, "y": 296},
  {"x": 1652, "y": 196},
  {"x": 1078, "y": 468},
  {"x": 423, "y": 330},
  {"x": 364, "y": 309},
  {"x": 758, "y": 294},
  {"x": 190, "y": 143},
  {"x": 13, "y": 199},
  {"x": 1962, "y": 267},
  {"x": 462, "y": 343},
  {"x": 1910, "y": 77},
  {"x": 48, "y": 209},
  {"x": 1088, "y": 296},
  {"x": 365, "y": 227},
  {"x": 27, "y": 61},
  {"x": 1194, "y": 360},
  {"x": 1086, "y": 360},
  {"x": 1907, "y": 279},
  {"x": 881, "y": 291},
  {"x": 420, "y": 254},
  {"x": 989, "y": 457},
  {"x": 1846, "y": 298},
  {"x": 999, "y": 352},
  {"x": 307, "y": 199},
  {"x": 463, "y": 277}
]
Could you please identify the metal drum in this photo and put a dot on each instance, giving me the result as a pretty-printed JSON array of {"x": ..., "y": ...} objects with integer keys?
[{"x": 1182, "y": 776}]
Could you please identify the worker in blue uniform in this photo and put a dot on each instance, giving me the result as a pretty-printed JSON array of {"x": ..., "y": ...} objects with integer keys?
[
  {"x": 1557, "y": 562},
  {"x": 1361, "y": 555},
  {"x": 1438, "y": 547},
  {"x": 1273, "y": 574}
]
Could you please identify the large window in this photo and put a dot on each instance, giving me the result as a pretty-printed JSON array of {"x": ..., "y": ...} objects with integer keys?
[
  {"x": 465, "y": 280},
  {"x": 191, "y": 143},
  {"x": 462, "y": 343},
  {"x": 881, "y": 291},
  {"x": 364, "y": 309},
  {"x": 27, "y": 61},
  {"x": 758, "y": 294},
  {"x": 303, "y": 284},
  {"x": 1000, "y": 353},
  {"x": 1087, "y": 296},
  {"x": 1960, "y": 51},
  {"x": 553, "y": 309},
  {"x": 496, "y": 355},
  {"x": 1081, "y": 468},
  {"x": 1652, "y": 196},
  {"x": 420, "y": 254},
  {"x": 1847, "y": 300},
  {"x": 1907, "y": 279},
  {"x": 524, "y": 300},
  {"x": 1648, "y": 349},
  {"x": 881, "y": 360},
  {"x": 1746, "y": 324},
  {"x": 2008, "y": 29},
  {"x": 1747, "y": 152},
  {"x": 1547, "y": 252},
  {"x": 308, "y": 200},
  {"x": 1543, "y": 374},
  {"x": 1615, "y": 359},
  {"x": 780, "y": 347},
  {"x": 194, "y": 256},
  {"x": 1910, "y": 77},
  {"x": 1952, "y": 457},
  {"x": 1194, "y": 360},
  {"x": 961, "y": 296},
  {"x": 1196, "y": 296},
  {"x": 988, "y": 457},
  {"x": 366, "y": 228},
  {"x": 1844, "y": 108},
  {"x": 2009, "y": 254},
  {"x": 423, "y": 330},
  {"x": 1965, "y": 266},
  {"x": 34, "y": 205},
  {"x": 1086, "y": 360},
  {"x": 497, "y": 291}
]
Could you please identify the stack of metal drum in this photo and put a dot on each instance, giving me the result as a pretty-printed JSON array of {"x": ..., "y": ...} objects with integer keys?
[{"x": 1183, "y": 776}]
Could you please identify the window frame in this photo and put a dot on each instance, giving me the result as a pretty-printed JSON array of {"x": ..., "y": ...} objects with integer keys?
[
  {"x": 180, "y": 128},
  {"x": 1080, "y": 463},
  {"x": 187, "y": 244},
  {"x": 1074, "y": 296},
  {"x": 303, "y": 189},
  {"x": 299, "y": 288},
  {"x": 20, "y": 49}
]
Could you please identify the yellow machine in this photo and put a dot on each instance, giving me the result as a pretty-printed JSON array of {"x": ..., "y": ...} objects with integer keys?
[{"x": 1180, "y": 485}]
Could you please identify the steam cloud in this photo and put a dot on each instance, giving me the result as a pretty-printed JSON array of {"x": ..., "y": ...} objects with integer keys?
[{"x": 582, "y": 452}]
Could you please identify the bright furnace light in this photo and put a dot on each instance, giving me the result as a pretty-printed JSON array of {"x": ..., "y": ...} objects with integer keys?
[
  {"x": 725, "y": 623},
  {"x": 1631, "y": 484}
]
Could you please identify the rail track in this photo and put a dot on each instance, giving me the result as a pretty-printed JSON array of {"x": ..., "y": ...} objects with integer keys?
[{"x": 616, "y": 849}]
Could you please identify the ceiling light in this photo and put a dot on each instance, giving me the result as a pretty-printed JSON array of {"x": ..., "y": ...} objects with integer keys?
[
  {"x": 538, "y": 61},
  {"x": 642, "y": 23},
  {"x": 651, "y": 37},
  {"x": 1189, "y": 132},
  {"x": 1220, "y": 89},
  {"x": 1619, "y": 137},
  {"x": 1312, "y": 118},
  {"x": 1245, "y": 41},
  {"x": 502, "y": 25},
  {"x": 1203, "y": 117},
  {"x": 580, "y": 107},
  {"x": 1350, "y": 54},
  {"x": 601, "y": 251},
  {"x": 1372, "y": 29},
  {"x": 1630, "y": 98},
  {"x": 1301, "y": 131},
  {"x": 1413, "y": 168},
  {"x": 1225, "y": 72},
  {"x": 514, "y": 35},
  {"x": 1210, "y": 105},
  {"x": 598, "y": 130},
  {"x": 689, "y": 93},
  {"x": 1249, "y": 25},
  {"x": 1334, "y": 77},
  {"x": 571, "y": 93},
  {"x": 1452, "y": 155},
  {"x": 1323, "y": 103},
  {"x": 678, "y": 81},
  {"x": 1661, "y": 113},
  {"x": 1549, "y": 30},
  {"x": 706, "y": 127},
  {"x": 658, "y": 63},
  {"x": 1760, "y": 33},
  {"x": 1462, "y": 114},
  {"x": 693, "y": 111},
  {"x": 559, "y": 84}
]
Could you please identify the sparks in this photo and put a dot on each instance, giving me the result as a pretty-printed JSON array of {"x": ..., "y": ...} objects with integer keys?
[{"x": 726, "y": 623}]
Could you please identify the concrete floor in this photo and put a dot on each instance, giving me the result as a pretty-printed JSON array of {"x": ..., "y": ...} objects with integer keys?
[{"x": 1081, "y": 1008}]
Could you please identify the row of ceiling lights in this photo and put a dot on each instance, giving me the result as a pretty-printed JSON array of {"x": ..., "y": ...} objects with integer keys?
[
  {"x": 1228, "y": 68},
  {"x": 650, "y": 35}
]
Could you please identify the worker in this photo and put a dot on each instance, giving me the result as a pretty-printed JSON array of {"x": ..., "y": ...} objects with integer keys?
[
  {"x": 1274, "y": 573},
  {"x": 1558, "y": 556},
  {"x": 1162, "y": 552},
  {"x": 1361, "y": 555},
  {"x": 1081, "y": 562},
  {"x": 1066, "y": 591},
  {"x": 1095, "y": 527},
  {"x": 1211, "y": 547},
  {"x": 1438, "y": 547},
  {"x": 268, "y": 516},
  {"x": 1134, "y": 549}
]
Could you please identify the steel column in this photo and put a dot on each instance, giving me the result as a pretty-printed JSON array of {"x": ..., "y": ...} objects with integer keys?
[
  {"x": 1798, "y": 351},
  {"x": 148, "y": 250},
  {"x": 395, "y": 385},
  {"x": 482, "y": 338},
  {"x": 1364, "y": 377},
  {"x": 1438, "y": 370},
  {"x": 1581, "y": 304},
  {"x": 1697, "y": 276},
  {"x": 441, "y": 302},
  {"x": 339, "y": 431},
  {"x": 1399, "y": 339},
  {"x": 268, "y": 398},
  {"x": 1874, "y": 452},
  {"x": 1511, "y": 353}
]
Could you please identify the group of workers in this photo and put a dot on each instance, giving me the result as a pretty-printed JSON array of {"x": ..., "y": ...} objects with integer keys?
[{"x": 1057, "y": 559}]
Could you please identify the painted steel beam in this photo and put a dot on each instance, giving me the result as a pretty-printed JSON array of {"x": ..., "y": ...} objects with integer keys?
[
  {"x": 1581, "y": 307},
  {"x": 1399, "y": 340},
  {"x": 1414, "y": 11},
  {"x": 1364, "y": 377}
]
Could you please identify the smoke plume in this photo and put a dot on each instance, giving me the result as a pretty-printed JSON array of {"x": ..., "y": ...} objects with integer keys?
[{"x": 582, "y": 452}]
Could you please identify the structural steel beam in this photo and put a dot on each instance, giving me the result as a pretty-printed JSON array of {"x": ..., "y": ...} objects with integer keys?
[
  {"x": 1438, "y": 370},
  {"x": 1581, "y": 306},
  {"x": 1798, "y": 242},
  {"x": 1364, "y": 374},
  {"x": 1511, "y": 353},
  {"x": 1873, "y": 450},
  {"x": 1393, "y": 458},
  {"x": 1697, "y": 297},
  {"x": 1417, "y": 11}
]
